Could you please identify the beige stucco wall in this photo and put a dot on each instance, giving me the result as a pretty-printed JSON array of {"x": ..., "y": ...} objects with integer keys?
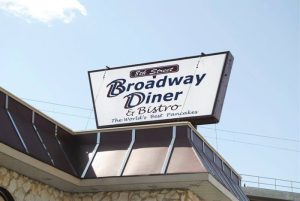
[{"x": 24, "y": 188}]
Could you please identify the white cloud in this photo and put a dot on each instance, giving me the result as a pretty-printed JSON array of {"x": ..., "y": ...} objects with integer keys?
[{"x": 44, "y": 10}]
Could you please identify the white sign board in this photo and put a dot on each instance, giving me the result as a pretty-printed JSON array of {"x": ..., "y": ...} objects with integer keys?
[{"x": 185, "y": 89}]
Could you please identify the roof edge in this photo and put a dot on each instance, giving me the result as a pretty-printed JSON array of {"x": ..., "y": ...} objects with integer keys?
[
  {"x": 39, "y": 171},
  {"x": 35, "y": 110},
  {"x": 156, "y": 125}
]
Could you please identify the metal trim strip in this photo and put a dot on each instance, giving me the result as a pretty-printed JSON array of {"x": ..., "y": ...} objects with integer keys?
[
  {"x": 40, "y": 138},
  {"x": 14, "y": 124},
  {"x": 93, "y": 156},
  {"x": 65, "y": 154},
  {"x": 169, "y": 152},
  {"x": 129, "y": 150}
]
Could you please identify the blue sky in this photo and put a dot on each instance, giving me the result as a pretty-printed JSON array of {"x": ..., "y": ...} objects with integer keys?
[{"x": 47, "y": 49}]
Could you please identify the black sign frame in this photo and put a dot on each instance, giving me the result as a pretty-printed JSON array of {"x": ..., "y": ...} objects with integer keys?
[{"x": 196, "y": 120}]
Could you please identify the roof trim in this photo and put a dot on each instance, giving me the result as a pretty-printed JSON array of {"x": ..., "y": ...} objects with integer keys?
[
  {"x": 35, "y": 110},
  {"x": 157, "y": 125},
  {"x": 35, "y": 169},
  {"x": 160, "y": 125}
]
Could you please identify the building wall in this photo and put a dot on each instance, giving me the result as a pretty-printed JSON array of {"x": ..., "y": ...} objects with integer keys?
[{"x": 24, "y": 188}]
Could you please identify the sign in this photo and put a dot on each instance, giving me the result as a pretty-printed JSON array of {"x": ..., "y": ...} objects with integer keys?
[{"x": 184, "y": 89}]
